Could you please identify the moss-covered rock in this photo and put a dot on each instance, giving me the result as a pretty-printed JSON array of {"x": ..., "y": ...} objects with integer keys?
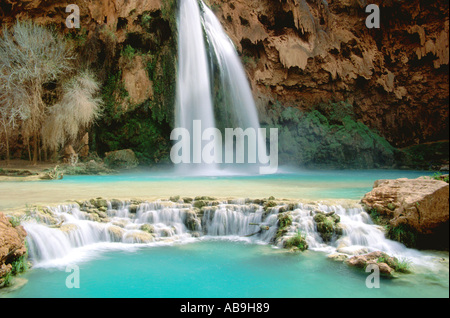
[
  {"x": 199, "y": 204},
  {"x": 147, "y": 228},
  {"x": 327, "y": 225},
  {"x": 121, "y": 159},
  {"x": 296, "y": 242}
]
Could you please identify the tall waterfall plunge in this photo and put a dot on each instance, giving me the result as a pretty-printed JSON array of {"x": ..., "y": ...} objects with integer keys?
[{"x": 196, "y": 23}]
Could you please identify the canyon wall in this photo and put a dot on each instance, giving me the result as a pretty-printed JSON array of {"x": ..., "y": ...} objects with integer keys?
[{"x": 303, "y": 53}]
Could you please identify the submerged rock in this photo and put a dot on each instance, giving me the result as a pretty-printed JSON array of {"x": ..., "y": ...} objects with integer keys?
[
  {"x": 338, "y": 257},
  {"x": 138, "y": 237},
  {"x": 386, "y": 264}
]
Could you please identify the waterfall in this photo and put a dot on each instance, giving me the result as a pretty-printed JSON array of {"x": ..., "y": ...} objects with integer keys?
[
  {"x": 195, "y": 91},
  {"x": 69, "y": 231},
  {"x": 194, "y": 100}
]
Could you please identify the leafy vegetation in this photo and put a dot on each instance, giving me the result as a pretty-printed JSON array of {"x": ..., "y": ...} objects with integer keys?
[
  {"x": 401, "y": 266},
  {"x": 440, "y": 176},
  {"x": 128, "y": 53}
]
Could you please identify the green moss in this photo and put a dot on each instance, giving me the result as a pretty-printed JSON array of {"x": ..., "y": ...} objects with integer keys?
[
  {"x": 128, "y": 53},
  {"x": 268, "y": 205},
  {"x": 297, "y": 241},
  {"x": 403, "y": 234},
  {"x": 284, "y": 221},
  {"x": 327, "y": 136},
  {"x": 199, "y": 204},
  {"x": 14, "y": 220}
]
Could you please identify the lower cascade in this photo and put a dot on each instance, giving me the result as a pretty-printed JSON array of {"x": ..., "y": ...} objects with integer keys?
[{"x": 59, "y": 234}]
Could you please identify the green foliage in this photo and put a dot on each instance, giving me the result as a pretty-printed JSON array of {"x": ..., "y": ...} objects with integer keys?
[
  {"x": 162, "y": 71},
  {"x": 375, "y": 216},
  {"x": 328, "y": 136},
  {"x": 146, "y": 19},
  {"x": 144, "y": 128},
  {"x": 77, "y": 36},
  {"x": 298, "y": 241},
  {"x": 440, "y": 176},
  {"x": 14, "y": 220},
  {"x": 168, "y": 10},
  {"x": 284, "y": 220},
  {"x": 403, "y": 234},
  {"x": 401, "y": 266},
  {"x": 128, "y": 53},
  {"x": 391, "y": 206},
  {"x": 137, "y": 130},
  {"x": 19, "y": 265}
]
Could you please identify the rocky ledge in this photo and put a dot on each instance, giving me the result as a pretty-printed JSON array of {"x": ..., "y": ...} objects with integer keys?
[
  {"x": 387, "y": 265},
  {"x": 12, "y": 248},
  {"x": 414, "y": 211}
]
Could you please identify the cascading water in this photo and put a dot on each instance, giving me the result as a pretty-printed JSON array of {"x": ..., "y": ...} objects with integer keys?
[
  {"x": 69, "y": 229},
  {"x": 194, "y": 86},
  {"x": 194, "y": 101}
]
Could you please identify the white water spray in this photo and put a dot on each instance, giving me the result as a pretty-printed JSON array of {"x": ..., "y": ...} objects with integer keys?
[{"x": 194, "y": 89}]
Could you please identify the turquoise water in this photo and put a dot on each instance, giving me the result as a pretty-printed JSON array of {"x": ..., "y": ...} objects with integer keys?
[
  {"x": 222, "y": 269},
  {"x": 150, "y": 184},
  {"x": 304, "y": 184},
  {"x": 213, "y": 268}
]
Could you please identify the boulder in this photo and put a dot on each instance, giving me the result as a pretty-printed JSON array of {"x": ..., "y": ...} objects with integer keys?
[
  {"x": 415, "y": 210},
  {"x": 115, "y": 233},
  {"x": 121, "y": 159},
  {"x": 12, "y": 245},
  {"x": 138, "y": 237},
  {"x": 386, "y": 264}
]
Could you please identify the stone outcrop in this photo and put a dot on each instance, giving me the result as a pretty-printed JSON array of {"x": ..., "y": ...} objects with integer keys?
[
  {"x": 387, "y": 265},
  {"x": 419, "y": 206},
  {"x": 12, "y": 245}
]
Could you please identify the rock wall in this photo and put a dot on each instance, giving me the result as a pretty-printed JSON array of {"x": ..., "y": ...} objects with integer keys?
[{"x": 305, "y": 52}]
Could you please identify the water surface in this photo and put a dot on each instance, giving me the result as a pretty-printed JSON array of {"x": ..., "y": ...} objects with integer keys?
[
  {"x": 227, "y": 269},
  {"x": 147, "y": 184}
]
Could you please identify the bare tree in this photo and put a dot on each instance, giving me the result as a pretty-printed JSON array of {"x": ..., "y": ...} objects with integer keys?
[
  {"x": 30, "y": 56},
  {"x": 76, "y": 110}
]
